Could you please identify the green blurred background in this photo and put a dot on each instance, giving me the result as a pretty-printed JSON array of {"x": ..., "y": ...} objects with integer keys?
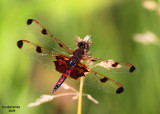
[{"x": 111, "y": 23}]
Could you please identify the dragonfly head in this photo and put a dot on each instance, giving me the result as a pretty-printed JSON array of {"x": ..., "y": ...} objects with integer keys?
[{"x": 83, "y": 45}]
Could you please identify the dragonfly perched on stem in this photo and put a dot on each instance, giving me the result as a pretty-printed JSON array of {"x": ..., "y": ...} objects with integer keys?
[{"x": 71, "y": 63}]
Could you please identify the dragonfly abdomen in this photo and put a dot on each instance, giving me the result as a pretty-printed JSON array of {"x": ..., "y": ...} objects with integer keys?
[{"x": 62, "y": 79}]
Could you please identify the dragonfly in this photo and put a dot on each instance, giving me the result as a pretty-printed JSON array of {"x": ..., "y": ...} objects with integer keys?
[{"x": 71, "y": 63}]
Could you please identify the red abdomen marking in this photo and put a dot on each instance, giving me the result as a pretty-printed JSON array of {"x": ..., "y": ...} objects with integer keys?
[{"x": 62, "y": 79}]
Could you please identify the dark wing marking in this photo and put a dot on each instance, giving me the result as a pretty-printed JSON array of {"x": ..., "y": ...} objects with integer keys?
[
  {"x": 79, "y": 70},
  {"x": 47, "y": 38},
  {"x": 62, "y": 64}
]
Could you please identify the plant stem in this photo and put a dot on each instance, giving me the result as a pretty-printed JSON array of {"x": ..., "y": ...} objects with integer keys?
[{"x": 80, "y": 96}]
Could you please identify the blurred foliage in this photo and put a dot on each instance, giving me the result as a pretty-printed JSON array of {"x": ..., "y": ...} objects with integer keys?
[{"x": 112, "y": 25}]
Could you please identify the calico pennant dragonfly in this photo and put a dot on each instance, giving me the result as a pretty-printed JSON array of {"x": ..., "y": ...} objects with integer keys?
[{"x": 73, "y": 63}]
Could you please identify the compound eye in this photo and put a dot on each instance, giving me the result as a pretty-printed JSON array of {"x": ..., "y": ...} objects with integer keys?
[{"x": 81, "y": 45}]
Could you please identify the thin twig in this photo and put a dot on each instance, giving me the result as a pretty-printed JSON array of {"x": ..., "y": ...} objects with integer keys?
[{"x": 79, "y": 110}]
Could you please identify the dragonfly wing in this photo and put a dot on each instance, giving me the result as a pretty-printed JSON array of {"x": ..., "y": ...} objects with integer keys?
[
  {"x": 48, "y": 58},
  {"x": 47, "y": 38},
  {"x": 104, "y": 83},
  {"x": 109, "y": 65},
  {"x": 105, "y": 67}
]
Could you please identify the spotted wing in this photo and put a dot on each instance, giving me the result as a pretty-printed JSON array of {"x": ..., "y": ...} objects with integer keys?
[
  {"x": 42, "y": 55},
  {"x": 47, "y": 38},
  {"x": 105, "y": 67},
  {"x": 109, "y": 65},
  {"x": 102, "y": 82}
]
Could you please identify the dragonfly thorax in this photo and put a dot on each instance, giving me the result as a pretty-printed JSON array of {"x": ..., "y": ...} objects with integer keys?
[
  {"x": 78, "y": 53},
  {"x": 77, "y": 56}
]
